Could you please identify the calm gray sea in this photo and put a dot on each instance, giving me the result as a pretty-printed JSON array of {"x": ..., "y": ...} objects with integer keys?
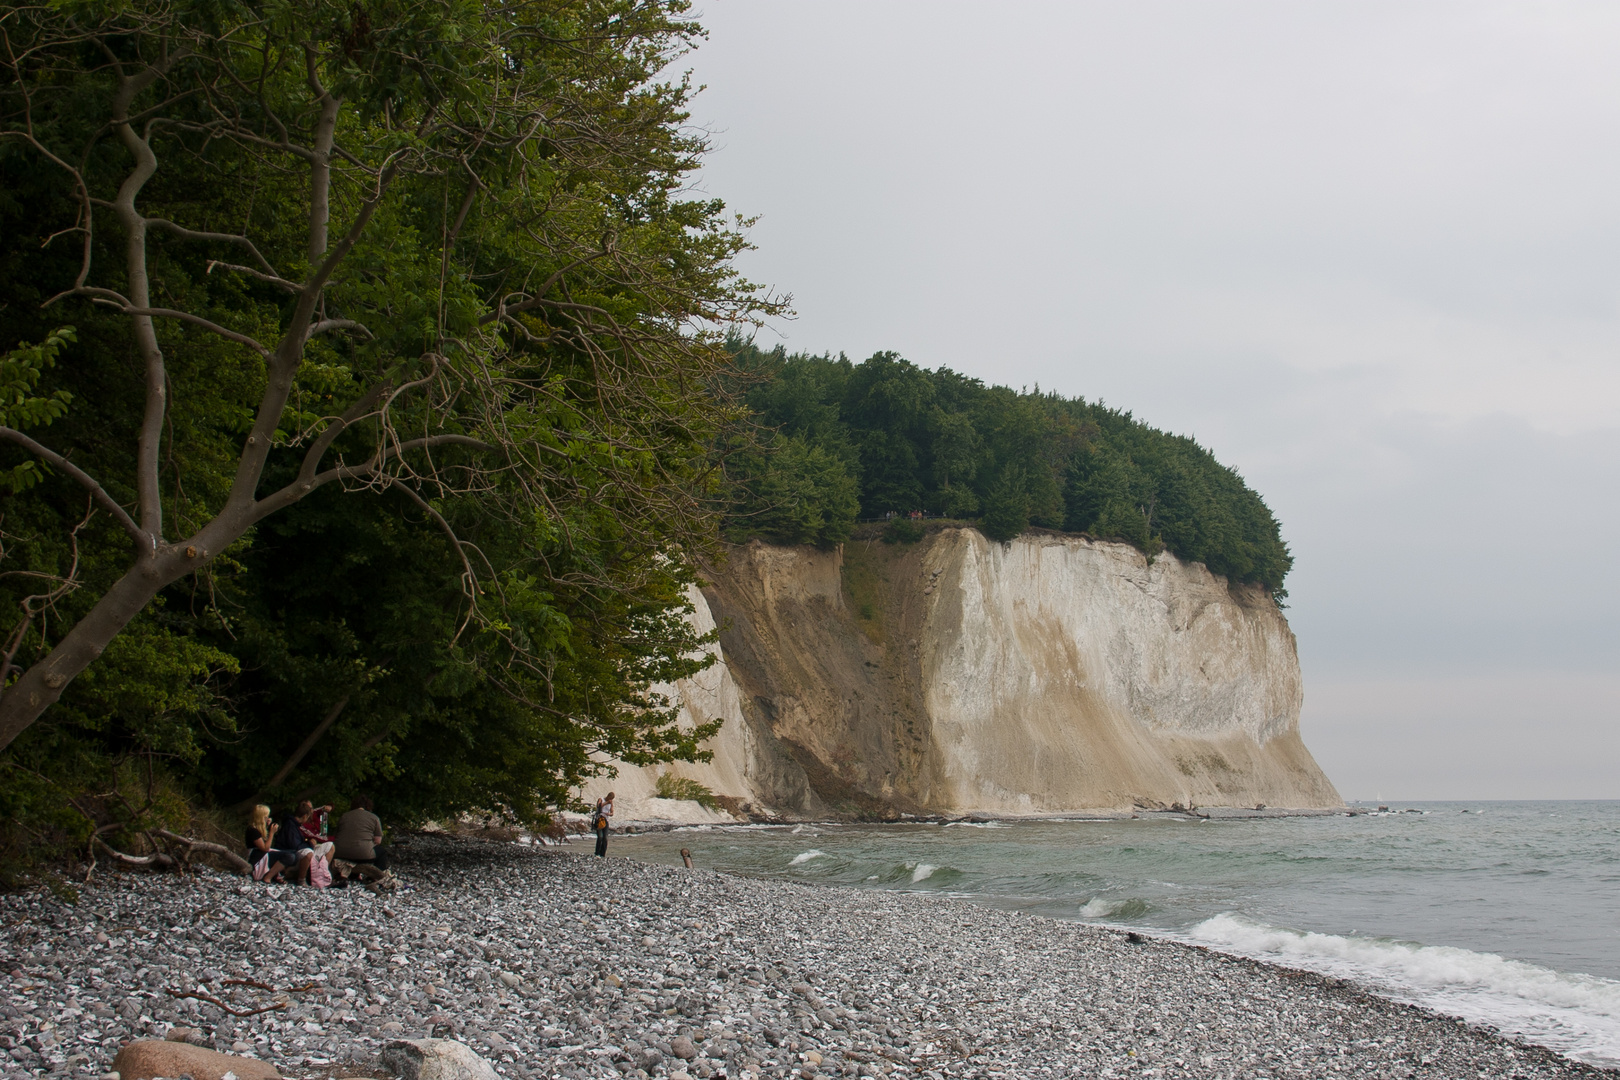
[{"x": 1504, "y": 913}]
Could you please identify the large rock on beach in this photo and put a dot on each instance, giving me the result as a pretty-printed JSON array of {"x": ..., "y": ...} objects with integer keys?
[
  {"x": 164, "y": 1057},
  {"x": 436, "y": 1059}
]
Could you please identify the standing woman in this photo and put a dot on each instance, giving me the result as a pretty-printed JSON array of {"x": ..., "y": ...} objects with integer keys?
[{"x": 600, "y": 820}]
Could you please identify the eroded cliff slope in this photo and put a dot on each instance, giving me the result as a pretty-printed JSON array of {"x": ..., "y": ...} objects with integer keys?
[{"x": 957, "y": 675}]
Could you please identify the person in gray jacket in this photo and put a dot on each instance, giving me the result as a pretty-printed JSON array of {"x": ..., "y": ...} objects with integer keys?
[{"x": 359, "y": 838}]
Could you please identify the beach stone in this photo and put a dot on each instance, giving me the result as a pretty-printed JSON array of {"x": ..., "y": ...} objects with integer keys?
[
  {"x": 150, "y": 1058},
  {"x": 436, "y": 1059},
  {"x": 682, "y": 1048},
  {"x": 191, "y": 1035}
]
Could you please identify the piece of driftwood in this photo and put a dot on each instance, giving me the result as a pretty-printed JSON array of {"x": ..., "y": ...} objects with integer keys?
[
  {"x": 237, "y": 863},
  {"x": 188, "y": 846}
]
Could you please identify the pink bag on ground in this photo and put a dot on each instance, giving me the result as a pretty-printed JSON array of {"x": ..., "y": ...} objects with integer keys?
[{"x": 320, "y": 874}]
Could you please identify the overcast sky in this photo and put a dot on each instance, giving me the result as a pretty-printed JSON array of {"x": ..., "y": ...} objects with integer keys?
[{"x": 1368, "y": 253}]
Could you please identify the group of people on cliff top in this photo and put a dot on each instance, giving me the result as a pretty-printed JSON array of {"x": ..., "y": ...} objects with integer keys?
[{"x": 298, "y": 847}]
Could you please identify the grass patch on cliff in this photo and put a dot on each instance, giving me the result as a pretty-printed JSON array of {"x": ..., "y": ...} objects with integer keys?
[
  {"x": 670, "y": 786},
  {"x": 867, "y": 584}
]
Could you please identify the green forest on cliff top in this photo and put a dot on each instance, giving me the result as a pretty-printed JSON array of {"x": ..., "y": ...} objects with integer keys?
[
  {"x": 860, "y": 441},
  {"x": 364, "y": 423}
]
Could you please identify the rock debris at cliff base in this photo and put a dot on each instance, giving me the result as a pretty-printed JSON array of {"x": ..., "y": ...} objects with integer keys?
[{"x": 554, "y": 964}]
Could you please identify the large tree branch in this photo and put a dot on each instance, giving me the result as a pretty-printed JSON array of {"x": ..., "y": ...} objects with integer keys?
[
  {"x": 150, "y": 440},
  {"x": 323, "y": 442},
  {"x": 289, "y": 352},
  {"x": 320, "y": 170},
  {"x": 97, "y": 492},
  {"x": 371, "y": 470}
]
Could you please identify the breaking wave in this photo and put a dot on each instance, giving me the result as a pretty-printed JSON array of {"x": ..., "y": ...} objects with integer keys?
[
  {"x": 1125, "y": 908},
  {"x": 1578, "y": 1015}
]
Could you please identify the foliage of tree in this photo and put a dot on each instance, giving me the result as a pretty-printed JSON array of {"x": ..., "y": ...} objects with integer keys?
[
  {"x": 388, "y": 415},
  {"x": 911, "y": 439}
]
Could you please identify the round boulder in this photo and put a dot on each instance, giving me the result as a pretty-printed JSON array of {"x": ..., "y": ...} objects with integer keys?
[
  {"x": 149, "y": 1058},
  {"x": 435, "y": 1059}
]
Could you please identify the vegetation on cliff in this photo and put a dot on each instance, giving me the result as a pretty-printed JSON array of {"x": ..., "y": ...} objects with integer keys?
[
  {"x": 381, "y": 445},
  {"x": 866, "y": 440}
]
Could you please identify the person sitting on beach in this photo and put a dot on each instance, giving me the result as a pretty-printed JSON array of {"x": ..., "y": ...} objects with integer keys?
[
  {"x": 312, "y": 822},
  {"x": 261, "y": 851},
  {"x": 290, "y": 837},
  {"x": 359, "y": 839},
  {"x": 601, "y": 819},
  {"x": 309, "y": 823}
]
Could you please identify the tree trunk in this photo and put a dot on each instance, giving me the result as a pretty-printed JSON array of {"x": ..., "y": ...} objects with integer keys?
[{"x": 42, "y": 684}]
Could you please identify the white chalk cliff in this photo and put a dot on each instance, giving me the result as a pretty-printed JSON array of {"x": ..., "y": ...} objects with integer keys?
[{"x": 1052, "y": 674}]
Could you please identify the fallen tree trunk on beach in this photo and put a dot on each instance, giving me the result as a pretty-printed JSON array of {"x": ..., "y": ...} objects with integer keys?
[
  {"x": 157, "y": 859},
  {"x": 164, "y": 860},
  {"x": 236, "y": 862}
]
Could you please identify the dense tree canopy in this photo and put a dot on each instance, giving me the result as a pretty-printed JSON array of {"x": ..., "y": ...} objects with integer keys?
[
  {"x": 360, "y": 389},
  {"x": 885, "y": 436}
]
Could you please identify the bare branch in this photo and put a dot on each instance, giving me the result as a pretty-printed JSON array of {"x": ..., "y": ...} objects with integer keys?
[
  {"x": 155, "y": 859},
  {"x": 97, "y": 492},
  {"x": 290, "y": 286},
  {"x": 503, "y": 311},
  {"x": 195, "y": 320},
  {"x": 338, "y": 324},
  {"x": 223, "y": 238},
  {"x": 371, "y": 470},
  {"x": 469, "y": 580},
  {"x": 239, "y": 864}
]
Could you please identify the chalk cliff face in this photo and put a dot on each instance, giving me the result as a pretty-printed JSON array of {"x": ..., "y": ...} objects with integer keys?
[{"x": 957, "y": 675}]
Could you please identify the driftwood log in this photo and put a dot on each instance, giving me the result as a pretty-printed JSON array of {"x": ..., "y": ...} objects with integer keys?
[{"x": 179, "y": 853}]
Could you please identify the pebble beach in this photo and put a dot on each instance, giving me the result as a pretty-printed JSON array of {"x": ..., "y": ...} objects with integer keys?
[{"x": 556, "y": 964}]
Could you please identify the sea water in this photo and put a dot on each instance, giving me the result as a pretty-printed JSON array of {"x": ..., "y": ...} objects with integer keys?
[{"x": 1506, "y": 914}]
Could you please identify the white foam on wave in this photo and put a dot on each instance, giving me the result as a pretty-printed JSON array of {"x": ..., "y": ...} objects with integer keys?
[
  {"x": 1098, "y": 908},
  {"x": 922, "y": 872},
  {"x": 1577, "y": 1015},
  {"x": 805, "y": 856}
]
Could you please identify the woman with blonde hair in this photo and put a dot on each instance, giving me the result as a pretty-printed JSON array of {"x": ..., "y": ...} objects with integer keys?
[{"x": 268, "y": 862}]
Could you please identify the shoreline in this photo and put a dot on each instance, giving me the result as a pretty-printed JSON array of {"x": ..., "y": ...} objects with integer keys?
[
  {"x": 1214, "y": 813},
  {"x": 558, "y": 964}
]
